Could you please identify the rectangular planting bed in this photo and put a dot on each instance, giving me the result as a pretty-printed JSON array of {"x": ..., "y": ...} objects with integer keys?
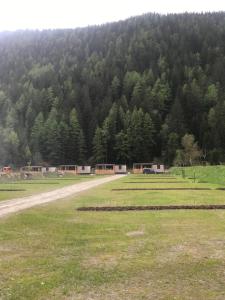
[{"x": 155, "y": 207}]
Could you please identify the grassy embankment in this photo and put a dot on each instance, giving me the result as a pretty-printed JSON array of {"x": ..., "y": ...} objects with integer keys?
[
  {"x": 207, "y": 174},
  {"x": 56, "y": 252}
]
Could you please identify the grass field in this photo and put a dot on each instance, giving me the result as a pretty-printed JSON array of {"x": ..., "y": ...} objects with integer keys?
[
  {"x": 20, "y": 188},
  {"x": 56, "y": 252},
  {"x": 205, "y": 174}
]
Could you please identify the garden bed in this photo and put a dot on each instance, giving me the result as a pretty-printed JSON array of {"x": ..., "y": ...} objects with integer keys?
[
  {"x": 155, "y": 207},
  {"x": 163, "y": 189},
  {"x": 12, "y": 190},
  {"x": 155, "y": 182}
]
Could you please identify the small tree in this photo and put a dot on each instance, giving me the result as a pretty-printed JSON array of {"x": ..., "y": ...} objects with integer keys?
[
  {"x": 179, "y": 159},
  {"x": 191, "y": 149},
  {"x": 190, "y": 152}
]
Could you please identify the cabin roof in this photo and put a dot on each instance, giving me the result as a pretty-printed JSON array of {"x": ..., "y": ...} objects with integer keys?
[
  {"x": 86, "y": 166},
  {"x": 146, "y": 163},
  {"x": 68, "y": 165},
  {"x": 32, "y": 167},
  {"x": 105, "y": 164}
]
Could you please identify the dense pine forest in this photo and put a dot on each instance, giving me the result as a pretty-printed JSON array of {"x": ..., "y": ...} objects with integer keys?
[{"x": 127, "y": 92}]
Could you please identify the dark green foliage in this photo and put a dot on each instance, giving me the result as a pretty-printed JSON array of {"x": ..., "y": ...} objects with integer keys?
[
  {"x": 122, "y": 92},
  {"x": 100, "y": 146},
  {"x": 37, "y": 139},
  {"x": 51, "y": 136},
  {"x": 74, "y": 136}
]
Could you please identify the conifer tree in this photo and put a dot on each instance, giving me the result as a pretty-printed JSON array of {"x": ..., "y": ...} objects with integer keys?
[
  {"x": 64, "y": 142},
  {"x": 148, "y": 138},
  {"x": 51, "y": 131},
  {"x": 38, "y": 140},
  {"x": 99, "y": 146},
  {"x": 82, "y": 148},
  {"x": 74, "y": 138}
]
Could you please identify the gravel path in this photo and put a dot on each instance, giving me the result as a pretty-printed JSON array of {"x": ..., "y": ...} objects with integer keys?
[{"x": 15, "y": 205}]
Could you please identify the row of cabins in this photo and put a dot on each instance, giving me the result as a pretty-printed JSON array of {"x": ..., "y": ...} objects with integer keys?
[{"x": 100, "y": 169}]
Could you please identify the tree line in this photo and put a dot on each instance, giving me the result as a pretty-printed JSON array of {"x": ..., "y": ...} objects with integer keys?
[{"x": 126, "y": 92}]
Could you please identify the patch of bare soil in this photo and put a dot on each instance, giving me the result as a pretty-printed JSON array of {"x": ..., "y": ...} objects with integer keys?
[
  {"x": 210, "y": 249},
  {"x": 135, "y": 233},
  {"x": 156, "y": 177},
  {"x": 12, "y": 190},
  {"x": 151, "y": 207},
  {"x": 163, "y": 189},
  {"x": 155, "y": 182},
  {"x": 106, "y": 261}
]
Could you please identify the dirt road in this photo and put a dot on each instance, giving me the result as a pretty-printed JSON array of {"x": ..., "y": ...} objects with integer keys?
[{"x": 15, "y": 205}]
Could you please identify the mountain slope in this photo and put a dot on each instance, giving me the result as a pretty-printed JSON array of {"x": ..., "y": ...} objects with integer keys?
[{"x": 62, "y": 89}]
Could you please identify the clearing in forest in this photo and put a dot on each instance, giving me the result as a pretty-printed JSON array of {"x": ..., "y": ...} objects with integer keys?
[{"x": 57, "y": 252}]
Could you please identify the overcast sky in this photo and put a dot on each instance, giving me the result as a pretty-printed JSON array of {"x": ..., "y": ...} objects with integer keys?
[{"x": 41, "y": 14}]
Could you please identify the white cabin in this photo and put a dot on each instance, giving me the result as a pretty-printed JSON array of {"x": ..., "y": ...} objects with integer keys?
[
  {"x": 158, "y": 168},
  {"x": 139, "y": 168},
  {"x": 70, "y": 169},
  {"x": 85, "y": 170},
  {"x": 120, "y": 169}
]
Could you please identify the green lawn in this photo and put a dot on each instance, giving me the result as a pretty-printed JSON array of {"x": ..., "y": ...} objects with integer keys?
[
  {"x": 105, "y": 197},
  {"x": 208, "y": 174},
  {"x": 34, "y": 186},
  {"x": 56, "y": 252}
]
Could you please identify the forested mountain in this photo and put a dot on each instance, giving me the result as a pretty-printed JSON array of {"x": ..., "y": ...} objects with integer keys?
[{"x": 121, "y": 92}]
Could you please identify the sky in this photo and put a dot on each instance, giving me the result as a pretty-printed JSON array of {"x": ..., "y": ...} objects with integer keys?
[{"x": 45, "y": 14}]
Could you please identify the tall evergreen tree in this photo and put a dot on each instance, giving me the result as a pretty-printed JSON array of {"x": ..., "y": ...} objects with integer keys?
[
  {"x": 148, "y": 137},
  {"x": 51, "y": 134},
  {"x": 37, "y": 140},
  {"x": 74, "y": 138},
  {"x": 99, "y": 146}
]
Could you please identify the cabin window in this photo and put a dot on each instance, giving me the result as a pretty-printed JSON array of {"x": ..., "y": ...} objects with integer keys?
[
  {"x": 147, "y": 166},
  {"x": 158, "y": 167},
  {"x": 109, "y": 167},
  {"x": 72, "y": 168},
  {"x": 83, "y": 168},
  {"x": 120, "y": 167}
]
